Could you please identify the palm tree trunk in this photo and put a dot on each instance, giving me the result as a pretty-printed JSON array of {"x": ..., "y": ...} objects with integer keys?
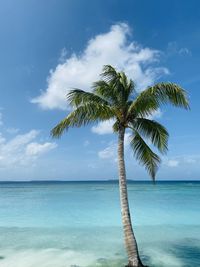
[{"x": 130, "y": 241}]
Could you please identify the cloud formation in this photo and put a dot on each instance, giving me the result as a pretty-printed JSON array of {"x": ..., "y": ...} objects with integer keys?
[
  {"x": 182, "y": 160},
  {"x": 80, "y": 70},
  {"x": 110, "y": 152},
  {"x": 172, "y": 163},
  {"x": 173, "y": 48},
  {"x": 157, "y": 114},
  {"x": 103, "y": 127},
  {"x": 35, "y": 149},
  {"x": 22, "y": 149}
]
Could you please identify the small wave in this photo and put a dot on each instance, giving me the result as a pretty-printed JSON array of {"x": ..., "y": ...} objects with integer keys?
[
  {"x": 162, "y": 258},
  {"x": 45, "y": 258}
]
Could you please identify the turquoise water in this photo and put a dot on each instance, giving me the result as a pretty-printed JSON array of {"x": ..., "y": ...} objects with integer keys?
[{"x": 71, "y": 224}]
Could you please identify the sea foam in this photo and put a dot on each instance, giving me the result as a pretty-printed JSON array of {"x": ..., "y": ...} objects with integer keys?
[{"x": 45, "y": 258}]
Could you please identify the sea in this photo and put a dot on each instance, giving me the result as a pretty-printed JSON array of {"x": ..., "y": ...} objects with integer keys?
[{"x": 78, "y": 224}]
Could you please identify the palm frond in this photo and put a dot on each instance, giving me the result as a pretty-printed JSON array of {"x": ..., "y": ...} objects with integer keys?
[
  {"x": 114, "y": 85},
  {"x": 116, "y": 126},
  {"x": 83, "y": 115},
  {"x": 79, "y": 97},
  {"x": 145, "y": 155},
  {"x": 128, "y": 86},
  {"x": 155, "y": 96},
  {"x": 109, "y": 73},
  {"x": 152, "y": 130},
  {"x": 105, "y": 91}
]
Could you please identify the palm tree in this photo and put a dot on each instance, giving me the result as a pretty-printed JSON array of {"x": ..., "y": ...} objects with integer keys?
[{"x": 114, "y": 97}]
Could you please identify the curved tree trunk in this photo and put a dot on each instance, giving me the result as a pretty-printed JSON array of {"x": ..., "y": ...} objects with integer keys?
[{"x": 130, "y": 241}]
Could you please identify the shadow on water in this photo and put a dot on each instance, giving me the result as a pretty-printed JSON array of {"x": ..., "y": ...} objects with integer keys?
[
  {"x": 188, "y": 252},
  {"x": 184, "y": 253}
]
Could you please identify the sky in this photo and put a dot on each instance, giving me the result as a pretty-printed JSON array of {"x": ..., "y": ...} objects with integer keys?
[{"x": 49, "y": 47}]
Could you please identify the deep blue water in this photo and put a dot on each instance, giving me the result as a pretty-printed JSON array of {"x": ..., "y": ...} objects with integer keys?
[{"x": 65, "y": 224}]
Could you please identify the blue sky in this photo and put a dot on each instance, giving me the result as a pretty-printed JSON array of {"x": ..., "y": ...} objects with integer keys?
[{"x": 50, "y": 46}]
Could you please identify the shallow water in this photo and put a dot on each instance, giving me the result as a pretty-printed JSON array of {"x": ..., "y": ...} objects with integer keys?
[{"x": 78, "y": 224}]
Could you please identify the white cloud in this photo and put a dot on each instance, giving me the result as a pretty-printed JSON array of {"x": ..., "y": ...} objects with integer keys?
[
  {"x": 155, "y": 115},
  {"x": 184, "y": 51},
  {"x": 182, "y": 160},
  {"x": 110, "y": 152},
  {"x": 172, "y": 163},
  {"x": 63, "y": 55},
  {"x": 35, "y": 149},
  {"x": 174, "y": 48},
  {"x": 20, "y": 140},
  {"x": 80, "y": 70},
  {"x": 22, "y": 149},
  {"x": 104, "y": 127},
  {"x": 127, "y": 138}
]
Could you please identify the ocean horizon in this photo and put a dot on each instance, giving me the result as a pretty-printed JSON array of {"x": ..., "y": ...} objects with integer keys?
[
  {"x": 78, "y": 223},
  {"x": 102, "y": 180}
]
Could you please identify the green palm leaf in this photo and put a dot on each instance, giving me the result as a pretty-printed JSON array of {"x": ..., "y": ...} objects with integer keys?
[
  {"x": 83, "y": 115},
  {"x": 152, "y": 130},
  {"x": 145, "y": 155},
  {"x": 105, "y": 91},
  {"x": 79, "y": 97},
  {"x": 153, "y": 97},
  {"x": 114, "y": 86}
]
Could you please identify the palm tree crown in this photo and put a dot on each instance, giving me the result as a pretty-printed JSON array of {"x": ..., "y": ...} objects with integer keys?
[{"x": 114, "y": 97}]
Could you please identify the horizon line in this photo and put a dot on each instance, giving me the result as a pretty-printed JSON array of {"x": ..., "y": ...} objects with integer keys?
[{"x": 108, "y": 180}]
